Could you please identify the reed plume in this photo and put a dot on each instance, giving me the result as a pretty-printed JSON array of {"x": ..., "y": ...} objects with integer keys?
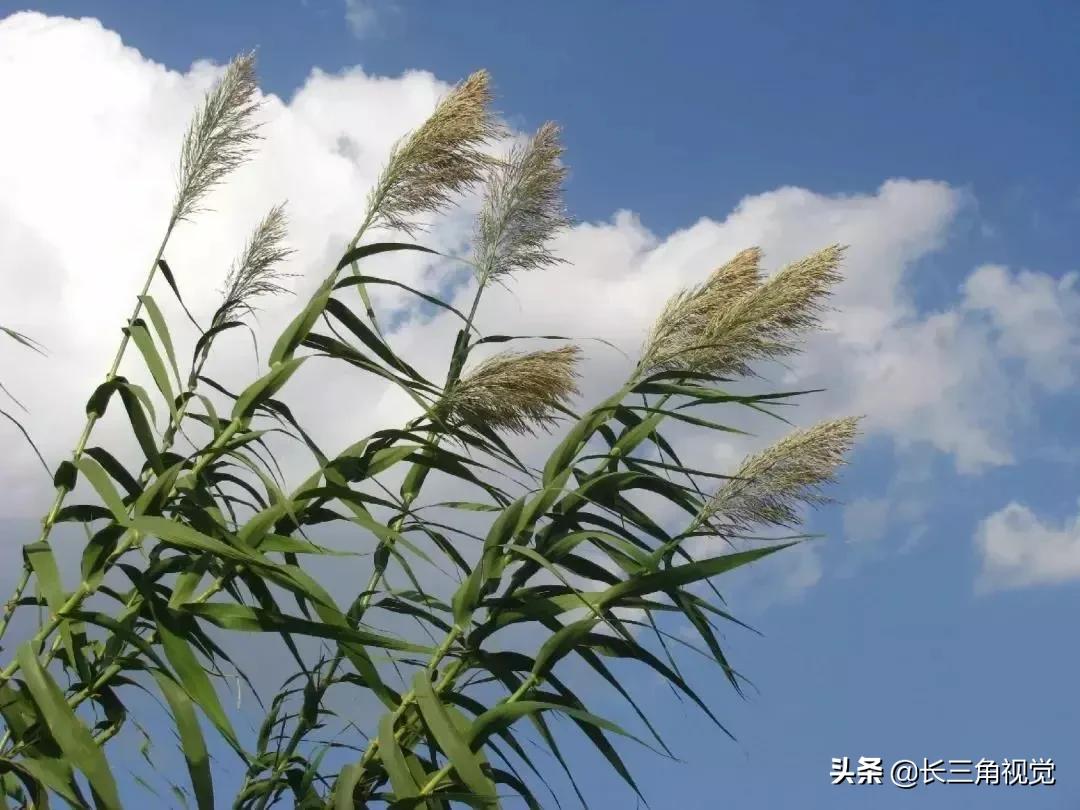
[
  {"x": 257, "y": 272},
  {"x": 441, "y": 158},
  {"x": 732, "y": 320},
  {"x": 220, "y": 137},
  {"x": 769, "y": 487},
  {"x": 522, "y": 208},
  {"x": 254, "y": 274},
  {"x": 515, "y": 392}
]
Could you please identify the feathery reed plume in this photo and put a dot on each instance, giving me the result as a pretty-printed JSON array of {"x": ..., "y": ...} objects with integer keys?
[
  {"x": 769, "y": 486},
  {"x": 683, "y": 328},
  {"x": 722, "y": 326},
  {"x": 256, "y": 272},
  {"x": 441, "y": 158},
  {"x": 522, "y": 208},
  {"x": 220, "y": 137},
  {"x": 515, "y": 392}
]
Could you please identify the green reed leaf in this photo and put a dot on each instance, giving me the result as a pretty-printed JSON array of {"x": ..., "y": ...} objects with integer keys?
[{"x": 74, "y": 738}]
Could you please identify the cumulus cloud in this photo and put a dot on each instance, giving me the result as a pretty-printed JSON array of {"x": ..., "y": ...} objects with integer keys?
[
  {"x": 83, "y": 203},
  {"x": 1018, "y": 549}
]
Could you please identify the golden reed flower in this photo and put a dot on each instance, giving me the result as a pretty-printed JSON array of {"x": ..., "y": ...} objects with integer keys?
[
  {"x": 439, "y": 159},
  {"x": 731, "y": 320},
  {"x": 515, "y": 392},
  {"x": 768, "y": 488}
]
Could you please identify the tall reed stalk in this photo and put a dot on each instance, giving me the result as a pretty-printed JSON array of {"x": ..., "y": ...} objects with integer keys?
[{"x": 218, "y": 140}]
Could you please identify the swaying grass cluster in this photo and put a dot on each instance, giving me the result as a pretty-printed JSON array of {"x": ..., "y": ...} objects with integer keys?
[
  {"x": 515, "y": 392},
  {"x": 197, "y": 545},
  {"x": 219, "y": 139},
  {"x": 443, "y": 157},
  {"x": 731, "y": 320}
]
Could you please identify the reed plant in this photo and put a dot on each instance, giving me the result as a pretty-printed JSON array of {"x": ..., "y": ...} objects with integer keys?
[{"x": 587, "y": 555}]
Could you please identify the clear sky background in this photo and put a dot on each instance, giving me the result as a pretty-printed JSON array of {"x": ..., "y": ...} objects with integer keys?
[{"x": 936, "y": 617}]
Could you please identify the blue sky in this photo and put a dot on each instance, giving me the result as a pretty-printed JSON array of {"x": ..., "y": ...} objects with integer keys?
[{"x": 885, "y": 646}]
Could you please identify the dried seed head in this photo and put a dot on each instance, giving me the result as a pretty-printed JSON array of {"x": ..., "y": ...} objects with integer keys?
[
  {"x": 522, "y": 208},
  {"x": 768, "y": 487},
  {"x": 438, "y": 160},
  {"x": 681, "y": 331},
  {"x": 220, "y": 137},
  {"x": 515, "y": 392},
  {"x": 731, "y": 320},
  {"x": 256, "y": 273}
]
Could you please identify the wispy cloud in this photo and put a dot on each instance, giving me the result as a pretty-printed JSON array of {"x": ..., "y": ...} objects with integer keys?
[
  {"x": 1019, "y": 549},
  {"x": 866, "y": 520},
  {"x": 365, "y": 16}
]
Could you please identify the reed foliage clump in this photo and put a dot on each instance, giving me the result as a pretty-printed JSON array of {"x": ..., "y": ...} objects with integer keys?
[{"x": 203, "y": 541}]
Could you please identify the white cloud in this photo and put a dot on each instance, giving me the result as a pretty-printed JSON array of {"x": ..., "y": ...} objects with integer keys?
[
  {"x": 1037, "y": 318},
  {"x": 83, "y": 203},
  {"x": 802, "y": 570},
  {"x": 363, "y": 16},
  {"x": 866, "y": 520},
  {"x": 1018, "y": 548}
]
